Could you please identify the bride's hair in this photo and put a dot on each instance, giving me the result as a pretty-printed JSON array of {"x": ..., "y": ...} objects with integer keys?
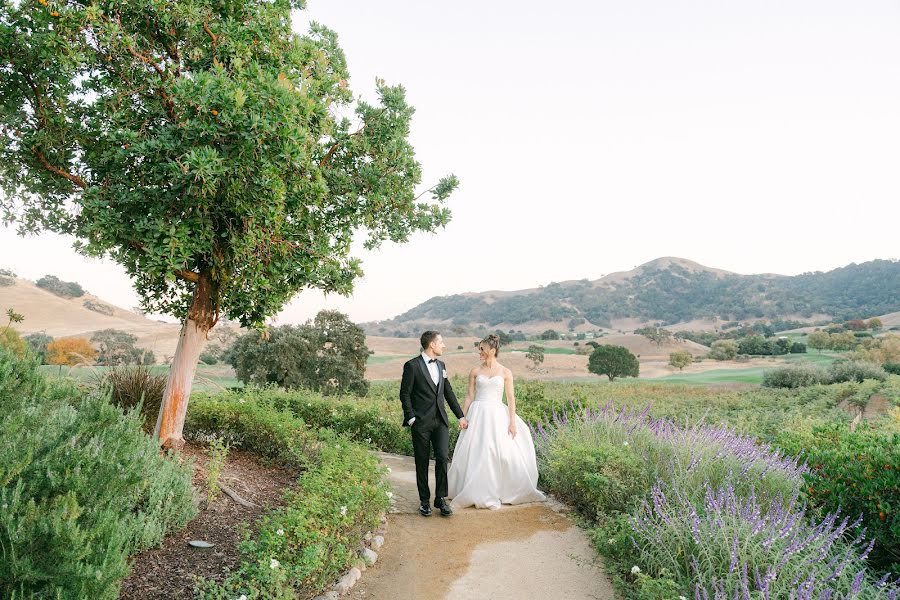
[{"x": 492, "y": 341}]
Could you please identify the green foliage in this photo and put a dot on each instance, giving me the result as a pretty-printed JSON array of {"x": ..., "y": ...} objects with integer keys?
[
  {"x": 205, "y": 145},
  {"x": 657, "y": 335},
  {"x": 370, "y": 421},
  {"x": 10, "y": 339},
  {"x": 37, "y": 344},
  {"x": 81, "y": 488},
  {"x": 535, "y": 355},
  {"x": 218, "y": 454},
  {"x": 550, "y": 334},
  {"x": 680, "y": 359},
  {"x": 858, "y": 471},
  {"x": 596, "y": 478},
  {"x": 135, "y": 387},
  {"x": 64, "y": 289},
  {"x": 891, "y": 367},
  {"x": 794, "y": 376},
  {"x": 302, "y": 547},
  {"x": 854, "y": 370},
  {"x": 327, "y": 354},
  {"x": 723, "y": 350},
  {"x": 7, "y": 277},
  {"x": 99, "y": 307},
  {"x": 613, "y": 361},
  {"x": 117, "y": 348}
]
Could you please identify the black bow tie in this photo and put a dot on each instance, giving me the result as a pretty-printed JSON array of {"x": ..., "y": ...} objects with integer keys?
[{"x": 433, "y": 360}]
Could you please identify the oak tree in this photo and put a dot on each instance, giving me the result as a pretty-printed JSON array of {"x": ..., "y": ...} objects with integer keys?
[{"x": 215, "y": 154}]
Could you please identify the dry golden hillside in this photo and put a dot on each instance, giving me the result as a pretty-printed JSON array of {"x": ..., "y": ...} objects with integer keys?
[{"x": 68, "y": 317}]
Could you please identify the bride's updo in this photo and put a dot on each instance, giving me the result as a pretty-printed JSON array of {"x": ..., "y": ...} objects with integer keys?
[{"x": 493, "y": 341}]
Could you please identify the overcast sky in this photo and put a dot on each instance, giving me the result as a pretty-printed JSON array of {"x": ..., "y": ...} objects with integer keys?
[{"x": 592, "y": 136}]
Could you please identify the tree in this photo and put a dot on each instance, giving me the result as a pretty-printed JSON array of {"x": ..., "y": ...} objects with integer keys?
[
  {"x": 37, "y": 343},
  {"x": 657, "y": 335},
  {"x": 818, "y": 340},
  {"x": 550, "y": 334},
  {"x": 681, "y": 359},
  {"x": 535, "y": 354},
  {"x": 856, "y": 325},
  {"x": 327, "y": 354},
  {"x": 65, "y": 289},
  {"x": 613, "y": 361},
  {"x": 205, "y": 147},
  {"x": 117, "y": 348},
  {"x": 9, "y": 337},
  {"x": 874, "y": 323},
  {"x": 505, "y": 338},
  {"x": 842, "y": 341},
  {"x": 723, "y": 350},
  {"x": 71, "y": 352}
]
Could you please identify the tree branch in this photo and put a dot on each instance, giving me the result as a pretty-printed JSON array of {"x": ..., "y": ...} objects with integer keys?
[
  {"x": 187, "y": 275},
  {"x": 56, "y": 170},
  {"x": 212, "y": 36}
]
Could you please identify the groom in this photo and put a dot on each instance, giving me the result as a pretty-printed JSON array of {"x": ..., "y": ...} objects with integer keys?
[{"x": 423, "y": 390}]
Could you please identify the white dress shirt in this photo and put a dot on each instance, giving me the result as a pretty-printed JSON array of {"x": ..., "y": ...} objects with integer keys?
[{"x": 435, "y": 376}]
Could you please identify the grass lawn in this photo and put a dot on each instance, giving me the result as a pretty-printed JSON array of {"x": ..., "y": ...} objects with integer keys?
[{"x": 749, "y": 375}]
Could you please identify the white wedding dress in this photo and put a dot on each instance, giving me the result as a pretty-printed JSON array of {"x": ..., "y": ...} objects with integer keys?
[{"x": 489, "y": 467}]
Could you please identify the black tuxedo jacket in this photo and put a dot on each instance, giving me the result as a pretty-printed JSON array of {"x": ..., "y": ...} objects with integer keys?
[{"x": 421, "y": 398}]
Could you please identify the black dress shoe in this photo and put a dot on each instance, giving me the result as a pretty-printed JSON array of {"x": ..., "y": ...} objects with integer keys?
[
  {"x": 445, "y": 508},
  {"x": 425, "y": 510}
]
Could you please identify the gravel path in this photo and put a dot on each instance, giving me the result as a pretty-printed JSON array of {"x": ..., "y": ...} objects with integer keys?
[{"x": 517, "y": 552}]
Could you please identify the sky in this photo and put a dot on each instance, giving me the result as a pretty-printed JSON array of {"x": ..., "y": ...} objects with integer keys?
[{"x": 592, "y": 136}]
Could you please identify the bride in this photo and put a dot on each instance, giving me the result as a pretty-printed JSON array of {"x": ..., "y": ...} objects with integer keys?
[{"x": 494, "y": 461}]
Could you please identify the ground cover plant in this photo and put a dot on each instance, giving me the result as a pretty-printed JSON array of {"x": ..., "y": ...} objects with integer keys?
[
  {"x": 81, "y": 488},
  {"x": 300, "y": 548}
]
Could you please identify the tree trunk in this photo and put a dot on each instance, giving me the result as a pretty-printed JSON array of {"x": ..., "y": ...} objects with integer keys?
[{"x": 200, "y": 319}]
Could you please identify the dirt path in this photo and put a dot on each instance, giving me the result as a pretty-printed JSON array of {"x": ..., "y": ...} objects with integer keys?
[{"x": 517, "y": 552}]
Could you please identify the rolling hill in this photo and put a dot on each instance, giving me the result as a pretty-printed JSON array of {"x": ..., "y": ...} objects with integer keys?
[
  {"x": 69, "y": 317},
  {"x": 668, "y": 290}
]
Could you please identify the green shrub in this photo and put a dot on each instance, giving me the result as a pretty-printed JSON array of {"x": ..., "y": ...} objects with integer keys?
[
  {"x": 133, "y": 387},
  {"x": 326, "y": 354},
  {"x": 597, "y": 477},
  {"x": 301, "y": 548},
  {"x": 376, "y": 423},
  {"x": 891, "y": 367},
  {"x": 37, "y": 344},
  {"x": 794, "y": 376},
  {"x": 10, "y": 339},
  {"x": 65, "y": 289},
  {"x": 81, "y": 488},
  {"x": 858, "y": 472},
  {"x": 855, "y": 370}
]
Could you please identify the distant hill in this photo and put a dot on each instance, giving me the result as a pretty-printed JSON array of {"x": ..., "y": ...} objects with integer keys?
[
  {"x": 667, "y": 290},
  {"x": 69, "y": 317}
]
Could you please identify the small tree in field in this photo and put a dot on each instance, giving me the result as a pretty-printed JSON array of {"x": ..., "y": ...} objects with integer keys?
[
  {"x": 205, "y": 148},
  {"x": 71, "y": 352},
  {"x": 680, "y": 359},
  {"x": 874, "y": 323},
  {"x": 327, "y": 354},
  {"x": 535, "y": 355},
  {"x": 818, "y": 340},
  {"x": 613, "y": 361}
]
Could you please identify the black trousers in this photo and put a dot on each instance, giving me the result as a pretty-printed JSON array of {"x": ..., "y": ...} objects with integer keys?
[{"x": 425, "y": 437}]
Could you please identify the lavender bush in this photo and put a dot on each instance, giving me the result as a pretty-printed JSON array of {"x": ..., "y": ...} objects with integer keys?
[
  {"x": 727, "y": 546},
  {"x": 715, "y": 514},
  {"x": 689, "y": 456}
]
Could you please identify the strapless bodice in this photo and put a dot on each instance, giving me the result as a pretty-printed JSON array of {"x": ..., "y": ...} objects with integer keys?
[{"x": 489, "y": 389}]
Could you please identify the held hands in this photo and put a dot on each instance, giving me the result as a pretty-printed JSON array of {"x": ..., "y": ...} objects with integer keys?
[
  {"x": 463, "y": 423},
  {"x": 512, "y": 430}
]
